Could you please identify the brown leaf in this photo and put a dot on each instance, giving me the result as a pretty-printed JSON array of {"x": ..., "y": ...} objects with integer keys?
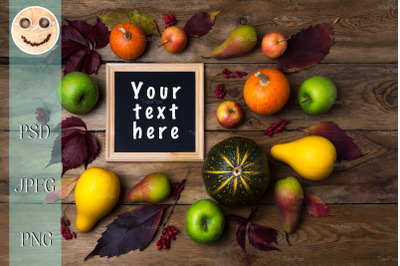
[
  {"x": 307, "y": 48},
  {"x": 133, "y": 229},
  {"x": 315, "y": 206},
  {"x": 346, "y": 149},
  {"x": 200, "y": 24},
  {"x": 63, "y": 188},
  {"x": 140, "y": 19}
]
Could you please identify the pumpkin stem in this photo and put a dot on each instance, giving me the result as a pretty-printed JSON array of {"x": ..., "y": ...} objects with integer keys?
[
  {"x": 237, "y": 171},
  {"x": 127, "y": 35},
  {"x": 264, "y": 81}
]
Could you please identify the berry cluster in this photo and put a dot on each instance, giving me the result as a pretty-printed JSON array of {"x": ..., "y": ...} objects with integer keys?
[
  {"x": 276, "y": 127},
  {"x": 179, "y": 186},
  {"x": 219, "y": 91},
  {"x": 228, "y": 74},
  {"x": 42, "y": 115},
  {"x": 165, "y": 239},
  {"x": 67, "y": 234},
  {"x": 169, "y": 20}
]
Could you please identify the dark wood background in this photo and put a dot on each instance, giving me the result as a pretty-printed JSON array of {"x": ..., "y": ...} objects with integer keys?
[{"x": 361, "y": 194}]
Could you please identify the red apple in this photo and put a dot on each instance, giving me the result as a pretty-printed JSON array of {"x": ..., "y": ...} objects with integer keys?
[
  {"x": 274, "y": 44},
  {"x": 229, "y": 114},
  {"x": 174, "y": 39}
]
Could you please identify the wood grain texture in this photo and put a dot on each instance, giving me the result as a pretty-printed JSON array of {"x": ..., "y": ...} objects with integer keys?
[
  {"x": 369, "y": 179},
  {"x": 367, "y": 98},
  {"x": 357, "y": 232},
  {"x": 366, "y": 32}
]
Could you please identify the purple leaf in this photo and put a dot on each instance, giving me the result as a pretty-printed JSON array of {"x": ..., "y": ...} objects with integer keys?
[
  {"x": 83, "y": 28},
  {"x": 132, "y": 230},
  {"x": 200, "y": 24},
  {"x": 73, "y": 121},
  {"x": 236, "y": 219},
  {"x": 69, "y": 47},
  {"x": 92, "y": 62},
  {"x": 100, "y": 34},
  {"x": 241, "y": 234},
  {"x": 93, "y": 148},
  {"x": 71, "y": 34},
  {"x": 307, "y": 48},
  {"x": 74, "y": 62},
  {"x": 74, "y": 152},
  {"x": 261, "y": 237}
]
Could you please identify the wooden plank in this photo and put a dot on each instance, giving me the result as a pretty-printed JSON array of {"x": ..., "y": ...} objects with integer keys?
[
  {"x": 369, "y": 231},
  {"x": 369, "y": 179},
  {"x": 4, "y": 237},
  {"x": 366, "y": 32},
  {"x": 367, "y": 98}
]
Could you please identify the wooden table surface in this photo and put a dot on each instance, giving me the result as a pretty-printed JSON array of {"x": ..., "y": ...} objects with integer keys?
[{"x": 361, "y": 194}]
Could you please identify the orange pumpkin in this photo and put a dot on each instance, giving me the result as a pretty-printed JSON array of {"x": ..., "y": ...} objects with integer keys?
[
  {"x": 266, "y": 91},
  {"x": 127, "y": 41}
]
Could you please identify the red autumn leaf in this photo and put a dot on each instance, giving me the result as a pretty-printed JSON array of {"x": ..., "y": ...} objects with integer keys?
[
  {"x": 133, "y": 229},
  {"x": 315, "y": 206},
  {"x": 79, "y": 42},
  {"x": 307, "y": 48},
  {"x": 346, "y": 149},
  {"x": 200, "y": 24},
  {"x": 261, "y": 237},
  {"x": 63, "y": 188},
  {"x": 74, "y": 146}
]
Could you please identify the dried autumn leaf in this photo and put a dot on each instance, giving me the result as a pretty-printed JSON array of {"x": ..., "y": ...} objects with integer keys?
[
  {"x": 74, "y": 146},
  {"x": 200, "y": 24},
  {"x": 79, "y": 42},
  {"x": 140, "y": 19},
  {"x": 259, "y": 236},
  {"x": 63, "y": 188},
  {"x": 315, "y": 206},
  {"x": 133, "y": 229},
  {"x": 346, "y": 149},
  {"x": 307, "y": 48}
]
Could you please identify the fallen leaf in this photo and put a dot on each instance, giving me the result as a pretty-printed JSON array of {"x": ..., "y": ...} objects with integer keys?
[
  {"x": 79, "y": 41},
  {"x": 346, "y": 149},
  {"x": 259, "y": 236},
  {"x": 140, "y": 19},
  {"x": 63, "y": 187},
  {"x": 133, "y": 229},
  {"x": 200, "y": 24},
  {"x": 307, "y": 48},
  {"x": 74, "y": 146},
  {"x": 315, "y": 206}
]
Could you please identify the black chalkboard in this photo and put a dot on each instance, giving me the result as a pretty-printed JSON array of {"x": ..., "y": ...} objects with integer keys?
[{"x": 154, "y": 112}]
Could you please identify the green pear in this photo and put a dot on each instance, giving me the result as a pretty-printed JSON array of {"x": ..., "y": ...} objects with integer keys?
[
  {"x": 288, "y": 196},
  {"x": 239, "y": 42},
  {"x": 153, "y": 188}
]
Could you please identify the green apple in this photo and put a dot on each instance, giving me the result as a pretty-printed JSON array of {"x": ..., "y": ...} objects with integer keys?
[
  {"x": 77, "y": 93},
  {"x": 317, "y": 95},
  {"x": 204, "y": 221}
]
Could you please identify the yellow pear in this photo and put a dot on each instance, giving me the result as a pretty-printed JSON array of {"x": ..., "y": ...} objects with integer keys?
[
  {"x": 312, "y": 157},
  {"x": 96, "y": 194}
]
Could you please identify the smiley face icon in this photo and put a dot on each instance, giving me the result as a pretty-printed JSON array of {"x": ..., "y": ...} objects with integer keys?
[{"x": 35, "y": 30}]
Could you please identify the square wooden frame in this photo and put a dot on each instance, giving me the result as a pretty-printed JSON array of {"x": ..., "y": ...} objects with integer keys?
[{"x": 112, "y": 155}]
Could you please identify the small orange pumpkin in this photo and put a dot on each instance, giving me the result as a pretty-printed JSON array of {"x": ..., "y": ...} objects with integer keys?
[
  {"x": 266, "y": 91},
  {"x": 127, "y": 41}
]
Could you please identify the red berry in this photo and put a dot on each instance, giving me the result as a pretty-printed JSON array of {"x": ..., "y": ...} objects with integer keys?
[
  {"x": 167, "y": 26},
  {"x": 168, "y": 237},
  {"x": 169, "y": 232},
  {"x": 228, "y": 72},
  {"x": 233, "y": 76},
  {"x": 158, "y": 243},
  {"x": 67, "y": 222},
  {"x": 164, "y": 246},
  {"x": 244, "y": 74},
  {"x": 164, "y": 231},
  {"x": 224, "y": 71},
  {"x": 237, "y": 73},
  {"x": 159, "y": 247},
  {"x": 227, "y": 76},
  {"x": 39, "y": 109},
  {"x": 166, "y": 16},
  {"x": 175, "y": 231},
  {"x": 74, "y": 235},
  {"x": 173, "y": 237},
  {"x": 171, "y": 17},
  {"x": 281, "y": 128},
  {"x": 269, "y": 134},
  {"x": 171, "y": 227}
]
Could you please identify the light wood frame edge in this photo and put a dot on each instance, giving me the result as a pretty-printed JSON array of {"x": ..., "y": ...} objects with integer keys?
[{"x": 198, "y": 155}]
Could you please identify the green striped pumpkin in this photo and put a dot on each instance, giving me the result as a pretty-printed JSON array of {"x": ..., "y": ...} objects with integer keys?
[{"x": 236, "y": 172}]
